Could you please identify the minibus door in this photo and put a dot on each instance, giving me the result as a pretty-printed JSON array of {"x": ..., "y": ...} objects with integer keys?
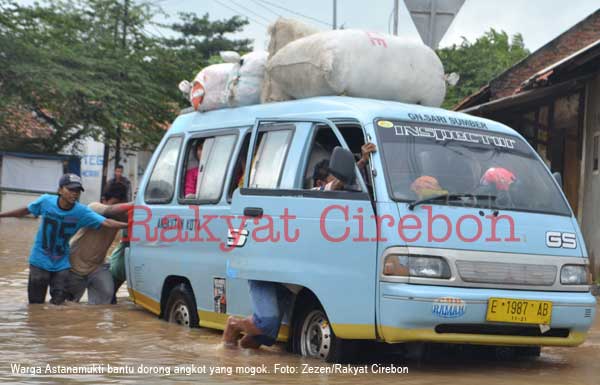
[{"x": 287, "y": 232}]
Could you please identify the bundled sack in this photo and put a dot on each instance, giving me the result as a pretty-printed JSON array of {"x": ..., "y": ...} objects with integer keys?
[
  {"x": 237, "y": 82},
  {"x": 208, "y": 89},
  {"x": 282, "y": 32},
  {"x": 361, "y": 64},
  {"x": 246, "y": 79}
]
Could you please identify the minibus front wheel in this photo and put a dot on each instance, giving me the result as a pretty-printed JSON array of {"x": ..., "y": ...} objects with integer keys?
[
  {"x": 313, "y": 337},
  {"x": 181, "y": 307}
]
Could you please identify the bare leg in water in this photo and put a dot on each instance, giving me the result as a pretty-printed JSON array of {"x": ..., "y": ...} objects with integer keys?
[{"x": 234, "y": 329}]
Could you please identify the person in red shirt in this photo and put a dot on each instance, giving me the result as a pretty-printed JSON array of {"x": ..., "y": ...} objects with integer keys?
[{"x": 191, "y": 176}]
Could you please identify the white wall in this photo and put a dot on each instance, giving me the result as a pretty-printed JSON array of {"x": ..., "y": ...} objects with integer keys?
[
  {"x": 91, "y": 170},
  {"x": 92, "y": 159},
  {"x": 30, "y": 173},
  {"x": 10, "y": 200}
]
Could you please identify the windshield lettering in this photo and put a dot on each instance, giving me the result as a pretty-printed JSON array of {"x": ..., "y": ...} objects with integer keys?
[{"x": 444, "y": 134}]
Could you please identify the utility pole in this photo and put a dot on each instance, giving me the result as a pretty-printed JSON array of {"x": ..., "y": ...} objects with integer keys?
[
  {"x": 107, "y": 132},
  {"x": 395, "y": 17},
  {"x": 124, "y": 47},
  {"x": 334, "y": 14}
]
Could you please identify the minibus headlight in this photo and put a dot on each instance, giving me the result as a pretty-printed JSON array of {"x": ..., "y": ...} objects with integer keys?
[
  {"x": 396, "y": 265},
  {"x": 416, "y": 266},
  {"x": 428, "y": 267},
  {"x": 575, "y": 275}
]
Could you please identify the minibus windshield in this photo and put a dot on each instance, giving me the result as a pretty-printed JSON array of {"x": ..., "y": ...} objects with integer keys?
[{"x": 425, "y": 160}]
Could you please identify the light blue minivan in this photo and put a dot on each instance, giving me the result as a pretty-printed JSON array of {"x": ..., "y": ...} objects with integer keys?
[{"x": 455, "y": 231}]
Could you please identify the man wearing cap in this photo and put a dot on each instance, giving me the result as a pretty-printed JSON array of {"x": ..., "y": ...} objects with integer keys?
[{"x": 62, "y": 216}]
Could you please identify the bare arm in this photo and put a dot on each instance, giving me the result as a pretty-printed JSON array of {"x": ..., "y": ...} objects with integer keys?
[
  {"x": 119, "y": 210},
  {"x": 112, "y": 224},
  {"x": 366, "y": 150},
  {"x": 15, "y": 213}
]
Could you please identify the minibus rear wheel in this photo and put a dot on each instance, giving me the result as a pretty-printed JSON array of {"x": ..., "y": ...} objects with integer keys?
[
  {"x": 181, "y": 307},
  {"x": 313, "y": 337}
]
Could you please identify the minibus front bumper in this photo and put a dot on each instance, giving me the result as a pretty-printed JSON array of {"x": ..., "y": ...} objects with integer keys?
[{"x": 410, "y": 312}]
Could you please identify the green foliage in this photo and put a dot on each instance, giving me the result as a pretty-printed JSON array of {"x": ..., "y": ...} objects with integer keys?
[
  {"x": 479, "y": 62},
  {"x": 90, "y": 68},
  {"x": 199, "y": 38}
]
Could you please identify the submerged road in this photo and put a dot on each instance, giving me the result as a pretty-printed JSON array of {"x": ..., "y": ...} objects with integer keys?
[{"x": 126, "y": 344}]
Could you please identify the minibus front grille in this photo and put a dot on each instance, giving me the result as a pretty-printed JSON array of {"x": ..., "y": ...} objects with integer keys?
[
  {"x": 501, "y": 330},
  {"x": 506, "y": 273}
]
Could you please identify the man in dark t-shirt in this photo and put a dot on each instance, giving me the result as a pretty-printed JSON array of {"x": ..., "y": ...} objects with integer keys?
[{"x": 119, "y": 178}]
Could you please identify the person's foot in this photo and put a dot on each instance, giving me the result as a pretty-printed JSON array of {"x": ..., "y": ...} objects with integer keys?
[
  {"x": 232, "y": 332},
  {"x": 250, "y": 329},
  {"x": 248, "y": 342}
]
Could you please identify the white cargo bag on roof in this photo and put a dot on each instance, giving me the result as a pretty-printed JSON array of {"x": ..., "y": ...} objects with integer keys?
[
  {"x": 361, "y": 64},
  {"x": 282, "y": 32},
  {"x": 237, "y": 82},
  {"x": 246, "y": 79},
  {"x": 208, "y": 90}
]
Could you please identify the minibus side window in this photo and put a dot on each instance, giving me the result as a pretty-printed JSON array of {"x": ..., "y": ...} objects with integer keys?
[
  {"x": 191, "y": 168},
  {"x": 355, "y": 138},
  {"x": 353, "y": 135},
  {"x": 161, "y": 185},
  {"x": 210, "y": 182},
  {"x": 239, "y": 170},
  {"x": 316, "y": 173},
  {"x": 208, "y": 160},
  {"x": 269, "y": 158},
  {"x": 323, "y": 143}
]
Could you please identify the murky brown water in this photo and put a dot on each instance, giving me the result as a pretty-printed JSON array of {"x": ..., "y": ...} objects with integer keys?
[{"x": 126, "y": 336}]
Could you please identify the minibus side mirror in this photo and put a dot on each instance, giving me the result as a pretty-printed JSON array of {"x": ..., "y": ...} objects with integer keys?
[
  {"x": 341, "y": 165},
  {"x": 558, "y": 178}
]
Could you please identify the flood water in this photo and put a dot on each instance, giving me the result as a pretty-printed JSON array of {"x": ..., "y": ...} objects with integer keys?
[{"x": 128, "y": 338}]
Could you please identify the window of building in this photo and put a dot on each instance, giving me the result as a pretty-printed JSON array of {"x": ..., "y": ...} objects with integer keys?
[{"x": 161, "y": 185}]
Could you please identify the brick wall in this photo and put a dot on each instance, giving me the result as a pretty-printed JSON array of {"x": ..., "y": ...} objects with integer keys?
[{"x": 579, "y": 36}]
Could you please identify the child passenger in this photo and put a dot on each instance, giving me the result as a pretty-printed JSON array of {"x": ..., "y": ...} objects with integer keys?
[{"x": 62, "y": 216}]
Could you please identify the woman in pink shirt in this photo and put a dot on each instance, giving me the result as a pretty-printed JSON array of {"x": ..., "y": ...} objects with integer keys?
[{"x": 191, "y": 176}]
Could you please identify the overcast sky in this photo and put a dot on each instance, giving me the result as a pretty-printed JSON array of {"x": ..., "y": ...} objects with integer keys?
[{"x": 538, "y": 20}]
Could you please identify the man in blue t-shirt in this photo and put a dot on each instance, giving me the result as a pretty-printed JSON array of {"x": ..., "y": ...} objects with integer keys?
[{"x": 62, "y": 216}]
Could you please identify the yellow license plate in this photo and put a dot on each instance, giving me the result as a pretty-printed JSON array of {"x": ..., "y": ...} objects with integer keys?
[{"x": 524, "y": 311}]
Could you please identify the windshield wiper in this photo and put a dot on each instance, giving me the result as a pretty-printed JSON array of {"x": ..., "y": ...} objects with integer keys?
[{"x": 448, "y": 197}]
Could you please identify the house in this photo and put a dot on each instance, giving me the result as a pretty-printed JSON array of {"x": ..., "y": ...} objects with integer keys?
[
  {"x": 25, "y": 173},
  {"x": 552, "y": 98}
]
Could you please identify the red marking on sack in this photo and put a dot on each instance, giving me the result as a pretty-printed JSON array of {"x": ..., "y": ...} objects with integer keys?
[
  {"x": 376, "y": 39},
  {"x": 197, "y": 95}
]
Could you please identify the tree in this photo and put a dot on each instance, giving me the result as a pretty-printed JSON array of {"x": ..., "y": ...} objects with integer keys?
[
  {"x": 196, "y": 43},
  {"x": 65, "y": 62},
  {"x": 91, "y": 69},
  {"x": 478, "y": 63}
]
